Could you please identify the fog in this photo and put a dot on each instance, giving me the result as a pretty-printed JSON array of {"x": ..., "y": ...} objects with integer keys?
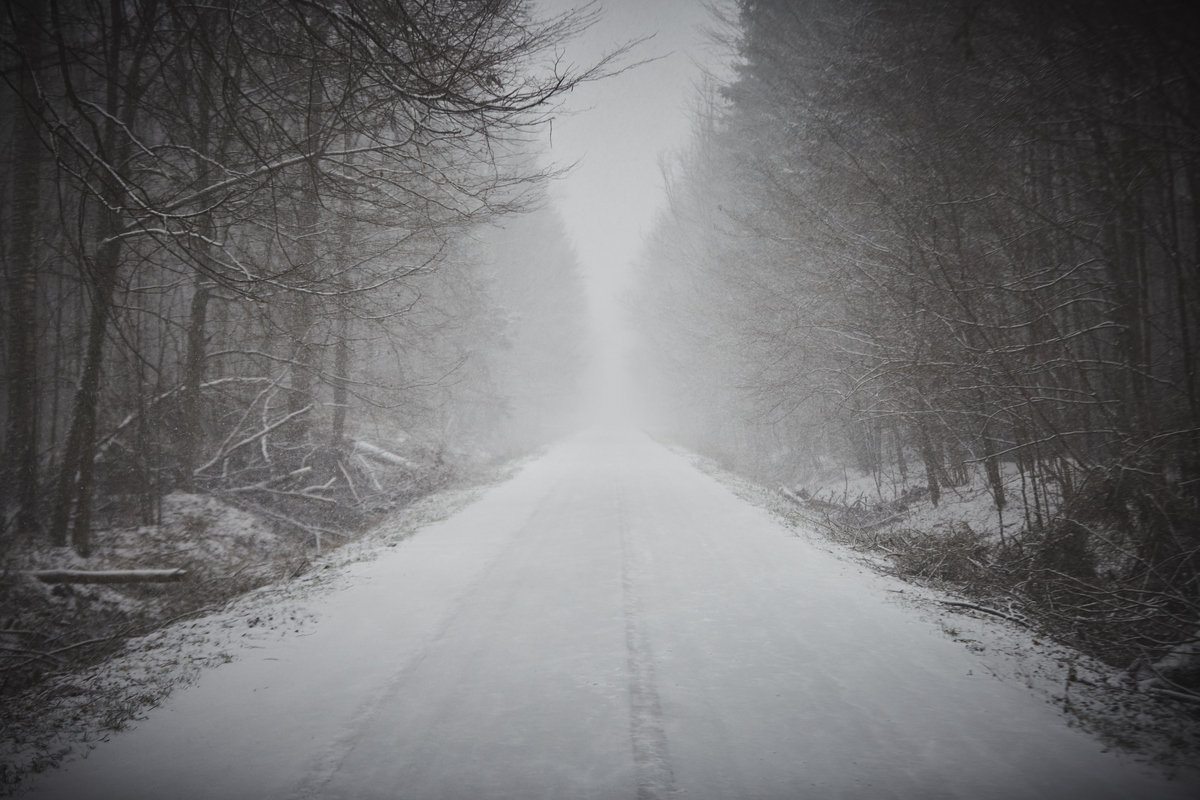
[{"x": 616, "y": 132}]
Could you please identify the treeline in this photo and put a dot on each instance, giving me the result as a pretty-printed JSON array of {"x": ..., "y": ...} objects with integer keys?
[
  {"x": 954, "y": 239},
  {"x": 241, "y": 243}
]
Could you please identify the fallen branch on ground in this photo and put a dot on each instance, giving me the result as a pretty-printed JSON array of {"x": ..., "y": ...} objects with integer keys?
[
  {"x": 985, "y": 610},
  {"x": 382, "y": 456},
  {"x": 109, "y": 575},
  {"x": 1190, "y": 698}
]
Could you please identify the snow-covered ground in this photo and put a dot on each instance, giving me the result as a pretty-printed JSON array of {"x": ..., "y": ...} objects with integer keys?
[
  {"x": 970, "y": 505},
  {"x": 610, "y": 623}
]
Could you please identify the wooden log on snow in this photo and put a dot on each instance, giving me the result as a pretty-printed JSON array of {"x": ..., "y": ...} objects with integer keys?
[
  {"x": 378, "y": 454},
  {"x": 109, "y": 575}
]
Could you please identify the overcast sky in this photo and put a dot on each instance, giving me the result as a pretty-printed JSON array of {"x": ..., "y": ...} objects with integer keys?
[{"x": 617, "y": 131}]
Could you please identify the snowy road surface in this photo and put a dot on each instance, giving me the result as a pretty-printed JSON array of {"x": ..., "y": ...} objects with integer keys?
[{"x": 610, "y": 624}]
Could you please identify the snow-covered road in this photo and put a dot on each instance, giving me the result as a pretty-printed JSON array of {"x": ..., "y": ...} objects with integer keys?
[{"x": 609, "y": 624}]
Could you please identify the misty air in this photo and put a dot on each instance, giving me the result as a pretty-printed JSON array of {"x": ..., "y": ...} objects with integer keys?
[{"x": 613, "y": 400}]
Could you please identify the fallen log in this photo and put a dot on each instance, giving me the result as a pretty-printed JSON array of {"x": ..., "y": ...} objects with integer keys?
[
  {"x": 109, "y": 575},
  {"x": 382, "y": 456}
]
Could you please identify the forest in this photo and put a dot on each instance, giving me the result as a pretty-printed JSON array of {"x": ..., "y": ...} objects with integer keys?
[
  {"x": 932, "y": 268},
  {"x": 241, "y": 237},
  {"x": 272, "y": 270}
]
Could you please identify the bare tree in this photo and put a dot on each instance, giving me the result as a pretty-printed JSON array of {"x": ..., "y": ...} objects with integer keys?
[
  {"x": 256, "y": 166},
  {"x": 974, "y": 228}
]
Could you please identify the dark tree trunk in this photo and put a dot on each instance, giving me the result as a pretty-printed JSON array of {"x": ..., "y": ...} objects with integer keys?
[
  {"x": 122, "y": 96},
  {"x": 991, "y": 464},
  {"x": 932, "y": 463},
  {"x": 193, "y": 376},
  {"x": 341, "y": 371},
  {"x": 21, "y": 459},
  {"x": 75, "y": 485}
]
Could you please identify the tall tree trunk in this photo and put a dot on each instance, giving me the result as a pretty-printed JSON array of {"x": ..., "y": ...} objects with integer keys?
[
  {"x": 190, "y": 431},
  {"x": 75, "y": 477},
  {"x": 991, "y": 464},
  {"x": 122, "y": 95},
  {"x": 21, "y": 460},
  {"x": 308, "y": 218},
  {"x": 193, "y": 376},
  {"x": 341, "y": 371},
  {"x": 932, "y": 462}
]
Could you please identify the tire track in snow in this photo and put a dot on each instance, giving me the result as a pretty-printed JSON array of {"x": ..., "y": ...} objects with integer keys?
[
  {"x": 651, "y": 758},
  {"x": 319, "y": 776}
]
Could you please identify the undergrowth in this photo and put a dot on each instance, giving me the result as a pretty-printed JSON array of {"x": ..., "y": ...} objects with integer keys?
[{"x": 79, "y": 662}]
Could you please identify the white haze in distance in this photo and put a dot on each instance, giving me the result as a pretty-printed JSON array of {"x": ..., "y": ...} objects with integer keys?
[{"x": 617, "y": 130}]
